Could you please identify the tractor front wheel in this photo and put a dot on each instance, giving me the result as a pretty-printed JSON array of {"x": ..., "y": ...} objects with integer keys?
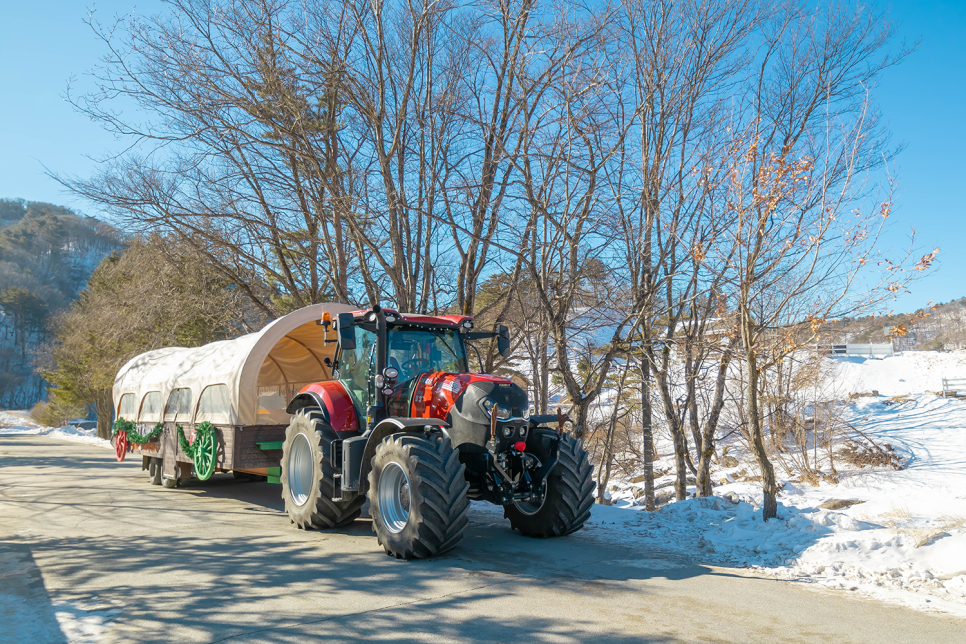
[
  {"x": 307, "y": 477},
  {"x": 417, "y": 495},
  {"x": 568, "y": 499}
]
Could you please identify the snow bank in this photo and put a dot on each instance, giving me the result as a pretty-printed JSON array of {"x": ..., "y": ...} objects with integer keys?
[
  {"x": 903, "y": 538},
  {"x": 12, "y": 422},
  {"x": 909, "y": 372},
  {"x": 810, "y": 545}
]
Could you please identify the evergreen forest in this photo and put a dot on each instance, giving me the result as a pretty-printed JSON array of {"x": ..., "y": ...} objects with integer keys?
[{"x": 47, "y": 254}]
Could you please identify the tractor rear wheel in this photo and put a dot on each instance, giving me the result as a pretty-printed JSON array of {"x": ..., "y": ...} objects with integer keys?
[
  {"x": 570, "y": 495},
  {"x": 417, "y": 495},
  {"x": 307, "y": 477}
]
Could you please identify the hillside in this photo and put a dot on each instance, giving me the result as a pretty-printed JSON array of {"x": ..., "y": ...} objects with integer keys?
[
  {"x": 47, "y": 253},
  {"x": 942, "y": 327}
]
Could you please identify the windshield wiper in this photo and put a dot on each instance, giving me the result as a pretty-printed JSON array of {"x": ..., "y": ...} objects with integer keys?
[{"x": 439, "y": 337}]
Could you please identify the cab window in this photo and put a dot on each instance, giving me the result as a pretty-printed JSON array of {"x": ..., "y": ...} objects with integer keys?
[{"x": 354, "y": 368}]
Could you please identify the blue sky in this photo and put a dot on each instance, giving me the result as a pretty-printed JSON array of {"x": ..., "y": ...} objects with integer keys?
[{"x": 45, "y": 42}]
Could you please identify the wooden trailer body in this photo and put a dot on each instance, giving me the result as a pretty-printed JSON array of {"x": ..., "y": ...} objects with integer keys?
[{"x": 241, "y": 386}]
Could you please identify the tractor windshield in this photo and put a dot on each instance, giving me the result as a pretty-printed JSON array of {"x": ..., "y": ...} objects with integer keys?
[{"x": 413, "y": 351}]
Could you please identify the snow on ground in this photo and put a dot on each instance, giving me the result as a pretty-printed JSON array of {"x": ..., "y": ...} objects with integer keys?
[
  {"x": 19, "y": 422},
  {"x": 903, "y": 540}
]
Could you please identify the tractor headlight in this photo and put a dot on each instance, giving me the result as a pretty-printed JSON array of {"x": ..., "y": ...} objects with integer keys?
[
  {"x": 501, "y": 412},
  {"x": 508, "y": 431}
]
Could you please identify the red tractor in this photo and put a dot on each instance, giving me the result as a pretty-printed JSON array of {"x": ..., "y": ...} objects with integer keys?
[{"x": 404, "y": 424}]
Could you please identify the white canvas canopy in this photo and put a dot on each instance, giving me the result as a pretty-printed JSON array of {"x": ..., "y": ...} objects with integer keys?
[{"x": 245, "y": 381}]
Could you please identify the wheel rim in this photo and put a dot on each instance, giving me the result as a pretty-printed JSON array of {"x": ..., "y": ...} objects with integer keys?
[
  {"x": 205, "y": 454},
  {"x": 120, "y": 445},
  {"x": 394, "y": 497},
  {"x": 300, "y": 469}
]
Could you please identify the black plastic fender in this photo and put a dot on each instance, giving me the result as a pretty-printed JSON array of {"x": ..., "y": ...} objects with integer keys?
[
  {"x": 307, "y": 399},
  {"x": 356, "y": 461}
]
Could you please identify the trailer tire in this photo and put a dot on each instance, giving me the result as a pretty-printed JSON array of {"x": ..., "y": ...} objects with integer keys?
[
  {"x": 154, "y": 471},
  {"x": 569, "y": 497},
  {"x": 307, "y": 477},
  {"x": 417, "y": 495}
]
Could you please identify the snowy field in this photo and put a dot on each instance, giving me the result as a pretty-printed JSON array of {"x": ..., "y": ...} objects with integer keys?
[
  {"x": 902, "y": 539},
  {"x": 19, "y": 422}
]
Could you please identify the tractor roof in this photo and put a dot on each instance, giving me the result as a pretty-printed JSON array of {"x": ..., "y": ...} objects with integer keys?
[{"x": 416, "y": 318}]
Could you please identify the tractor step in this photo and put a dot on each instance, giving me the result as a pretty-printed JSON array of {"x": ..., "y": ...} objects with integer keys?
[
  {"x": 274, "y": 475},
  {"x": 336, "y": 487},
  {"x": 266, "y": 446}
]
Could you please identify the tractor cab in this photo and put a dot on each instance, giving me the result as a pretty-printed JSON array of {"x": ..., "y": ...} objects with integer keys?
[
  {"x": 411, "y": 349},
  {"x": 383, "y": 355}
]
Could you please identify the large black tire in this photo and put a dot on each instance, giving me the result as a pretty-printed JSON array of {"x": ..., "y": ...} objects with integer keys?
[
  {"x": 307, "y": 481},
  {"x": 435, "y": 488},
  {"x": 570, "y": 495},
  {"x": 154, "y": 471}
]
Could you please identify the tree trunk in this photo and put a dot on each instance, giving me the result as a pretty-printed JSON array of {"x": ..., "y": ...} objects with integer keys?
[
  {"x": 706, "y": 446},
  {"x": 105, "y": 411},
  {"x": 647, "y": 436},
  {"x": 768, "y": 483}
]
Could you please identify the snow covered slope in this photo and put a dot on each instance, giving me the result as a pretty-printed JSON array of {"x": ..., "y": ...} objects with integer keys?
[
  {"x": 910, "y": 372},
  {"x": 902, "y": 536},
  {"x": 14, "y": 422}
]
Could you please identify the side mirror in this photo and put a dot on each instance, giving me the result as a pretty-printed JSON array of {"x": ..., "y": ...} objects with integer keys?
[
  {"x": 347, "y": 338},
  {"x": 503, "y": 340}
]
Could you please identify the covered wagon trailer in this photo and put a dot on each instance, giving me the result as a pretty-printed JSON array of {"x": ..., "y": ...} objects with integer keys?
[{"x": 222, "y": 406}]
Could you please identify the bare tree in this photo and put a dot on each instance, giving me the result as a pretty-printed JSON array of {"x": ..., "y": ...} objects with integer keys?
[{"x": 802, "y": 233}]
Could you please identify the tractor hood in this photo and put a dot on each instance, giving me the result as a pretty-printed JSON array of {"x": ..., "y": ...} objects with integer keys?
[{"x": 465, "y": 401}]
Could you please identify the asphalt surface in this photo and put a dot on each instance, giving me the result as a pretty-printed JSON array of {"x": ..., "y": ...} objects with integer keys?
[{"x": 89, "y": 548}]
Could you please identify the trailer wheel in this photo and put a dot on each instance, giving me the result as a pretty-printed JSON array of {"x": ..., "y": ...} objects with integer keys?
[
  {"x": 417, "y": 495},
  {"x": 154, "y": 471},
  {"x": 570, "y": 495},
  {"x": 307, "y": 477}
]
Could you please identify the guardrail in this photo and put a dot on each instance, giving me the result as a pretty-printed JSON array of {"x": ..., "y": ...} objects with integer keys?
[{"x": 953, "y": 386}]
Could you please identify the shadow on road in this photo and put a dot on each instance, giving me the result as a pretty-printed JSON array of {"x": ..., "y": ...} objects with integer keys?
[
  {"x": 219, "y": 561},
  {"x": 26, "y": 612}
]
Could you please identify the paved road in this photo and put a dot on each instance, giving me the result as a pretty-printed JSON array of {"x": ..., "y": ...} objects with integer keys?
[{"x": 118, "y": 560}]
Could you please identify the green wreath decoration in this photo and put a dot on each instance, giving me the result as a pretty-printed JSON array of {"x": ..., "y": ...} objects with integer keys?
[
  {"x": 121, "y": 425},
  {"x": 203, "y": 451}
]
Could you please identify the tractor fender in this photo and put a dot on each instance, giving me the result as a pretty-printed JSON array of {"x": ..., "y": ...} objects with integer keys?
[
  {"x": 308, "y": 399},
  {"x": 333, "y": 400},
  {"x": 355, "y": 472}
]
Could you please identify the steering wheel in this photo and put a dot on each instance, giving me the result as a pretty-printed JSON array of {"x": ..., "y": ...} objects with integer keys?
[{"x": 415, "y": 364}]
